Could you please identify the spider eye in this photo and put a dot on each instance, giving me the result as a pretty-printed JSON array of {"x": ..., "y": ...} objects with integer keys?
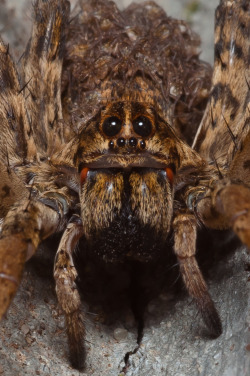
[
  {"x": 142, "y": 126},
  {"x": 112, "y": 126}
]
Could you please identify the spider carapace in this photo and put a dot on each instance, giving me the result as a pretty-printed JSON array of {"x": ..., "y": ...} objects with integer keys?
[{"x": 100, "y": 141}]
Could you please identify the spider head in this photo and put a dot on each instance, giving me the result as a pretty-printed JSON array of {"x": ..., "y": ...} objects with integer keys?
[
  {"x": 127, "y": 158},
  {"x": 127, "y": 134}
]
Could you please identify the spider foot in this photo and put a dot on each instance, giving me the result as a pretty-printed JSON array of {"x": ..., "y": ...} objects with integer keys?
[
  {"x": 185, "y": 243},
  {"x": 210, "y": 315},
  {"x": 197, "y": 289},
  {"x": 76, "y": 335},
  {"x": 69, "y": 299}
]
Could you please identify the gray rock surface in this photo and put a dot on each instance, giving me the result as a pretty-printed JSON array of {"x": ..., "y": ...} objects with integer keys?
[
  {"x": 32, "y": 336},
  {"x": 33, "y": 340}
]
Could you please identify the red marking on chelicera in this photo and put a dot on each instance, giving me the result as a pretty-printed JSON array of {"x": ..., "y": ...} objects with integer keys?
[
  {"x": 170, "y": 175},
  {"x": 83, "y": 175}
]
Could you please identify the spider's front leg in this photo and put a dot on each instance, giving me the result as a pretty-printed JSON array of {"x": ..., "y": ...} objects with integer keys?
[
  {"x": 65, "y": 275},
  {"x": 185, "y": 247},
  {"x": 27, "y": 223}
]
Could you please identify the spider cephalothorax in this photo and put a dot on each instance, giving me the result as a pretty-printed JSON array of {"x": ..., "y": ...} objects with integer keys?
[
  {"x": 129, "y": 154},
  {"x": 96, "y": 131}
]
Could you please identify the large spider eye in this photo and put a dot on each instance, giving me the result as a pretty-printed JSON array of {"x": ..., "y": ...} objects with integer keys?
[
  {"x": 112, "y": 126},
  {"x": 142, "y": 126}
]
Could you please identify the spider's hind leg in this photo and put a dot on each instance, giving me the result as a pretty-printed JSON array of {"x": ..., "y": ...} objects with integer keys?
[{"x": 65, "y": 275}]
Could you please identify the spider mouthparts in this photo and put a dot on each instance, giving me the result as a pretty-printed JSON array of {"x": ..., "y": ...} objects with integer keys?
[{"x": 127, "y": 162}]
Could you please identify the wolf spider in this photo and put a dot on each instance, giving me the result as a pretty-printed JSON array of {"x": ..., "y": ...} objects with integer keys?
[{"x": 100, "y": 141}]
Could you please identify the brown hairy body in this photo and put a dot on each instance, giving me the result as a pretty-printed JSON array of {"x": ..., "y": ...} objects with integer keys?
[{"x": 100, "y": 137}]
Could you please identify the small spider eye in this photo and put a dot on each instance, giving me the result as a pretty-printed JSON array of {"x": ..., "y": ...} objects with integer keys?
[
  {"x": 142, "y": 126},
  {"x": 112, "y": 126}
]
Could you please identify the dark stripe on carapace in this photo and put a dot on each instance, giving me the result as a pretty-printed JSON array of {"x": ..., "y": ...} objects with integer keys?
[
  {"x": 116, "y": 109},
  {"x": 137, "y": 109},
  {"x": 118, "y": 106}
]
